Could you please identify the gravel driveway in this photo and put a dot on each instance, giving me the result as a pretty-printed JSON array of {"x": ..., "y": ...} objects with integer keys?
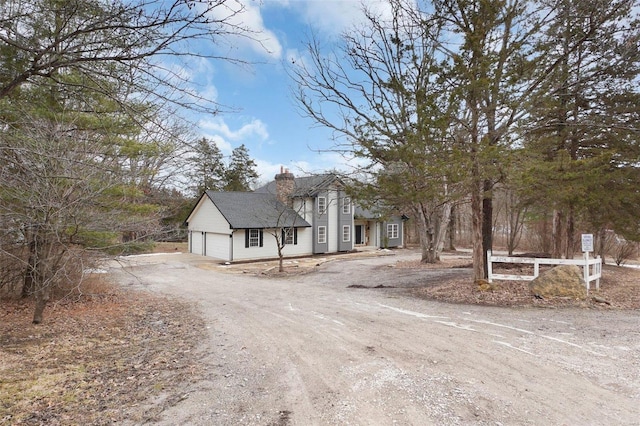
[{"x": 310, "y": 350}]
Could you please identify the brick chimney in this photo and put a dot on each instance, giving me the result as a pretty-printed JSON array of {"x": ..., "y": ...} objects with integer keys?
[{"x": 285, "y": 185}]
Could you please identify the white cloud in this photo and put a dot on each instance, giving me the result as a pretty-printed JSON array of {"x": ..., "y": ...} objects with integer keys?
[
  {"x": 246, "y": 15},
  {"x": 332, "y": 17},
  {"x": 267, "y": 170},
  {"x": 220, "y": 142},
  {"x": 321, "y": 163},
  {"x": 218, "y": 126},
  {"x": 297, "y": 58}
]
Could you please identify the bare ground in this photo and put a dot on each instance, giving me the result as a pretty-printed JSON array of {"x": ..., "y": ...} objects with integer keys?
[
  {"x": 96, "y": 360},
  {"x": 135, "y": 357}
]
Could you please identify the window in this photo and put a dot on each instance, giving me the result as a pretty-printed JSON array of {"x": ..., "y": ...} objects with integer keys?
[
  {"x": 322, "y": 234},
  {"x": 346, "y": 205},
  {"x": 322, "y": 205},
  {"x": 290, "y": 236},
  {"x": 253, "y": 238},
  {"x": 346, "y": 233},
  {"x": 392, "y": 230}
]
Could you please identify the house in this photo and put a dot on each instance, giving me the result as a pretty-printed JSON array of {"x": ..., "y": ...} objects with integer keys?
[
  {"x": 371, "y": 229},
  {"x": 310, "y": 215}
]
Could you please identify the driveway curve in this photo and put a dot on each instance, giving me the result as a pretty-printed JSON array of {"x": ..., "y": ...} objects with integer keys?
[{"x": 311, "y": 350}]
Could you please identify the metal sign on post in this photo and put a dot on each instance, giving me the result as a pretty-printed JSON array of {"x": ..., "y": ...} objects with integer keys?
[{"x": 587, "y": 243}]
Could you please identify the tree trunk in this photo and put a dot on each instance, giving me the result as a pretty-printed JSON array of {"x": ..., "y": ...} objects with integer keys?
[
  {"x": 42, "y": 297},
  {"x": 41, "y": 278},
  {"x": 42, "y": 275},
  {"x": 429, "y": 255},
  {"x": 443, "y": 219},
  {"x": 280, "y": 246},
  {"x": 476, "y": 233},
  {"x": 600, "y": 238},
  {"x": 557, "y": 234},
  {"x": 487, "y": 225},
  {"x": 451, "y": 228},
  {"x": 570, "y": 235},
  {"x": 28, "y": 286}
]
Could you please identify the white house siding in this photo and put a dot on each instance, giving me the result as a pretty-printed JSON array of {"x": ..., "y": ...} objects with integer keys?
[
  {"x": 304, "y": 207},
  {"x": 208, "y": 231},
  {"x": 269, "y": 249},
  {"x": 206, "y": 217},
  {"x": 370, "y": 232},
  {"x": 374, "y": 234},
  {"x": 304, "y": 246}
]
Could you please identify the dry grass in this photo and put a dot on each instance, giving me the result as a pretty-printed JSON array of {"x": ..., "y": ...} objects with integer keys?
[
  {"x": 170, "y": 248},
  {"x": 96, "y": 359},
  {"x": 619, "y": 286}
]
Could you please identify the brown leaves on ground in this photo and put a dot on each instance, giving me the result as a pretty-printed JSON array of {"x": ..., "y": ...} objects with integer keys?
[
  {"x": 96, "y": 360},
  {"x": 619, "y": 289}
]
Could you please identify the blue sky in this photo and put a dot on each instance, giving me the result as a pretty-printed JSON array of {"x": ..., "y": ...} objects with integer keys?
[{"x": 267, "y": 120}]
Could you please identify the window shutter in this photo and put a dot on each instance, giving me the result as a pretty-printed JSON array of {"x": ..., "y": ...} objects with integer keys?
[
  {"x": 295, "y": 236},
  {"x": 246, "y": 238},
  {"x": 261, "y": 238},
  {"x": 284, "y": 238}
]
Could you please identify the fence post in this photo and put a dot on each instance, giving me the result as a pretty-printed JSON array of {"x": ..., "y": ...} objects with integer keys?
[
  {"x": 489, "y": 267},
  {"x": 586, "y": 270},
  {"x": 598, "y": 268}
]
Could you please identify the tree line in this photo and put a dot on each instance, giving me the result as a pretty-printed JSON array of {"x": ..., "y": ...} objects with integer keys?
[
  {"x": 450, "y": 102},
  {"x": 90, "y": 139}
]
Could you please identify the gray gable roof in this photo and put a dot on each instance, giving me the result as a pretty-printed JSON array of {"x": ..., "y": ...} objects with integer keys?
[
  {"x": 306, "y": 186},
  {"x": 245, "y": 210},
  {"x": 362, "y": 213}
]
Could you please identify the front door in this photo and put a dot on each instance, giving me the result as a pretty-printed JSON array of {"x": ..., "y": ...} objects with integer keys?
[{"x": 359, "y": 234}]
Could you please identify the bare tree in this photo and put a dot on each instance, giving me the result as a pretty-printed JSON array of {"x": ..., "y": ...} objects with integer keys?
[
  {"x": 88, "y": 93},
  {"x": 380, "y": 92},
  {"x": 285, "y": 230},
  {"x": 54, "y": 197},
  {"x": 114, "y": 47}
]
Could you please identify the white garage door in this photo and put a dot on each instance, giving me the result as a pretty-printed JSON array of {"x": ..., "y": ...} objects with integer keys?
[
  {"x": 196, "y": 246},
  {"x": 218, "y": 246}
]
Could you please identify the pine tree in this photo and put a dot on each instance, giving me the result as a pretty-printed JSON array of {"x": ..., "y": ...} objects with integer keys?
[
  {"x": 241, "y": 173},
  {"x": 583, "y": 136},
  {"x": 207, "y": 170}
]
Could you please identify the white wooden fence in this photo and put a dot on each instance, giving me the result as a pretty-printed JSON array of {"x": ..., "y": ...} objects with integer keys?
[{"x": 592, "y": 268}]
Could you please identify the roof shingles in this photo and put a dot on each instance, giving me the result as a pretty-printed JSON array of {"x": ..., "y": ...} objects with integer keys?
[{"x": 246, "y": 210}]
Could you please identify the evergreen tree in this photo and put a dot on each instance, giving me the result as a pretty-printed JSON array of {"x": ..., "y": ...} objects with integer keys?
[
  {"x": 241, "y": 173},
  {"x": 583, "y": 136},
  {"x": 207, "y": 170}
]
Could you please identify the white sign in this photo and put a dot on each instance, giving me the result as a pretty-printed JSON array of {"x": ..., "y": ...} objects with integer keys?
[{"x": 587, "y": 243}]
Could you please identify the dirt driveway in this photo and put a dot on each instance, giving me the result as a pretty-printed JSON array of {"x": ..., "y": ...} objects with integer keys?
[{"x": 310, "y": 350}]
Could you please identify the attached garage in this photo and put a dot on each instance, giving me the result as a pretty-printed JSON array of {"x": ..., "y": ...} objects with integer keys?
[{"x": 222, "y": 224}]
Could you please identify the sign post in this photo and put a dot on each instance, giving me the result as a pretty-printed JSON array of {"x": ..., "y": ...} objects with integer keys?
[
  {"x": 587, "y": 243},
  {"x": 587, "y": 246}
]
